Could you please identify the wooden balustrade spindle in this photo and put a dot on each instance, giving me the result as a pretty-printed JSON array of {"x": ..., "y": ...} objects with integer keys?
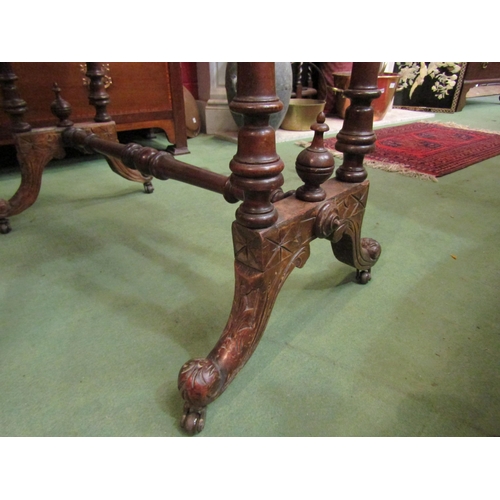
[
  {"x": 256, "y": 168},
  {"x": 98, "y": 97},
  {"x": 13, "y": 104},
  {"x": 356, "y": 139}
]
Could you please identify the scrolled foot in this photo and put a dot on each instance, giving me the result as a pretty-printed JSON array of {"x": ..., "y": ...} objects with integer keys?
[
  {"x": 148, "y": 187},
  {"x": 200, "y": 382},
  {"x": 372, "y": 248},
  {"x": 5, "y": 226},
  {"x": 193, "y": 419}
]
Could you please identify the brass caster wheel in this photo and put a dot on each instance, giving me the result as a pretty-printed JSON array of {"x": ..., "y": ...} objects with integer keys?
[
  {"x": 193, "y": 419},
  {"x": 148, "y": 187},
  {"x": 363, "y": 277}
]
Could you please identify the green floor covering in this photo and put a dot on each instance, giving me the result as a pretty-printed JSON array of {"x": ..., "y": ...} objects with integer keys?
[{"x": 106, "y": 291}]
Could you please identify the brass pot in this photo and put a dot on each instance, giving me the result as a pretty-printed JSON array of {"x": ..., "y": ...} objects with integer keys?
[{"x": 302, "y": 113}]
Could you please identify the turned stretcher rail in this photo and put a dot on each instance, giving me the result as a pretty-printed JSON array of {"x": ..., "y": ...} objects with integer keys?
[{"x": 149, "y": 161}]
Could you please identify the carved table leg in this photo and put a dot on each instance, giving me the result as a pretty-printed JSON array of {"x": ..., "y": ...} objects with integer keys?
[
  {"x": 264, "y": 259},
  {"x": 34, "y": 150}
]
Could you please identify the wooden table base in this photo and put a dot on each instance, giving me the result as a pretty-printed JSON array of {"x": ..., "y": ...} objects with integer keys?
[{"x": 272, "y": 230}]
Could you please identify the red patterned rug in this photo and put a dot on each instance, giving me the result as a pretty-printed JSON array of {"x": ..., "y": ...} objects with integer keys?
[{"x": 429, "y": 150}]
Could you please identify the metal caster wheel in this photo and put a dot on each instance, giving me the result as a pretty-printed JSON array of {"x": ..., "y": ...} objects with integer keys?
[
  {"x": 363, "y": 277},
  {"x": 5, "y": 226},
  {"x": 193, "y": 420},
  {"x": 148, "y": 188}
]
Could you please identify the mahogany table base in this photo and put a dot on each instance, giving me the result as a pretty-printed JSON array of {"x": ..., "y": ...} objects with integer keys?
[
  {"x": 35, "y": 149},
  {"x": 272, "y": 231},
  {"x": 263, "y": 260}
]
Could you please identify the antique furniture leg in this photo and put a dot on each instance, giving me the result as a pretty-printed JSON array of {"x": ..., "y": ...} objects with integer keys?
[
  {"x": 15, "y": 107},
  {"x": 273, "y": 230},
  {"x": 256, "y": 170},
  {"x": 270, "y": 242},
  {"x": 34, "y": 150}
]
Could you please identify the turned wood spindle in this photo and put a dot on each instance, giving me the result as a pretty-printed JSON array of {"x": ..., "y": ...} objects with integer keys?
[
  {"x": 356, "y": 139},
  {"x": 13, "y": 104},
  {"x": 98, "y": 97},
  {"x": 60, "y": 108},
  {"x": 256, "y": 168},
  {"x": 314, "y": 164}
]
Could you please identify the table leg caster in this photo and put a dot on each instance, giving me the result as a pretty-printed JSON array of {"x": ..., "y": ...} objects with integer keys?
[
  {"x": 5, "y": 226},
  {"x": 193, "y": 419},
  {"x": 148, "y": 187},
  {"x": 363, "y": 277}
]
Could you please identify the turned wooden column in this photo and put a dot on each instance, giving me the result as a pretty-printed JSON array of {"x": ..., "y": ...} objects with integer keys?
[
  {"x": 13, "y": 104},
  {"x": 256, "y": 168},
  {"x": 356, "y": 139},
  {"x": 98, "y": 97}
]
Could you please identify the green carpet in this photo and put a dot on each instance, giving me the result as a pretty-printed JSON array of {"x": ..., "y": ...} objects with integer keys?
[{"x": 107, "y": 291}]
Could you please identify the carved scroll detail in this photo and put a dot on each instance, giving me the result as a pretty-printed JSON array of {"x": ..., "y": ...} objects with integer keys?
[{"x": 340, "y": 222}]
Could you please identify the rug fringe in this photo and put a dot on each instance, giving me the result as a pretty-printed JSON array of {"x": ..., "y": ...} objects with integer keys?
[
  {"x": 400, "y": 169},
  {"x": 465, "y": 127}
]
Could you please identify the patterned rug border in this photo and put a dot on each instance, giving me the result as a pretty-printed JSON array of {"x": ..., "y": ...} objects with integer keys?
[{"x": 398, "y": 168}]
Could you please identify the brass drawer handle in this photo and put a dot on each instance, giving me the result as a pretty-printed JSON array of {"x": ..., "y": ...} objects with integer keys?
[{"x": 485, "y": 65}]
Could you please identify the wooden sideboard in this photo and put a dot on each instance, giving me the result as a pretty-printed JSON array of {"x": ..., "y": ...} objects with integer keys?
[
  {"x": 478, "y": 73},
  {"x": 142, "y": 96}
]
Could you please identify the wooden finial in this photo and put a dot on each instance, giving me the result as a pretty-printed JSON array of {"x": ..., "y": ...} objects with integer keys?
[
  {"x": 60, "y": 108},
  {"x": 315, "y": 164}
]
